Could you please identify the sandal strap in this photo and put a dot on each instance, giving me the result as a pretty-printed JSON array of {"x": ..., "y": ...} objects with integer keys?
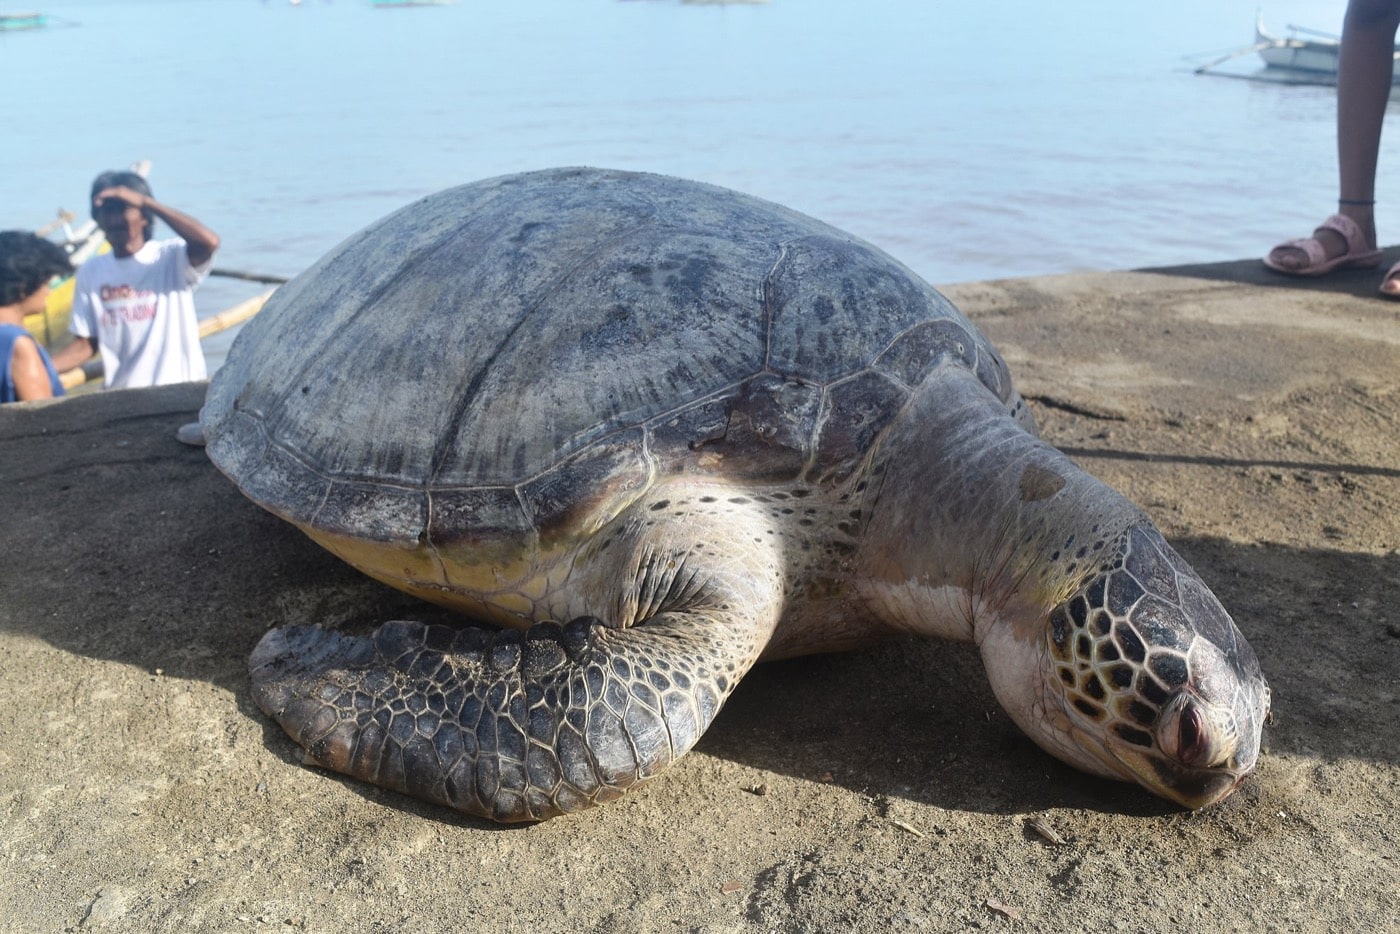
[
  {"x": 1348, "y": 229},
  {"x": 1310, "y": 247}
]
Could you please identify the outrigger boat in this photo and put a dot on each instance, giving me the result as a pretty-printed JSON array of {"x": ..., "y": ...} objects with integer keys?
[
  {"x": 1304, "y": 55},
  {"x": 1318, "y": 54}
]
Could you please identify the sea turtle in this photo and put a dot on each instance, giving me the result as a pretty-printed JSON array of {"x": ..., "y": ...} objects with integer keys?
[{"x": 655, "y": 431}]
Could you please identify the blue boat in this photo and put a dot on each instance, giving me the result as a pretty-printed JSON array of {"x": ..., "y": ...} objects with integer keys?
[{"x": 13, "y": 22}]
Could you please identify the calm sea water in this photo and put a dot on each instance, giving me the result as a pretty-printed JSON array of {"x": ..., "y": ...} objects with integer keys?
[{"x": 971, "y": 140}]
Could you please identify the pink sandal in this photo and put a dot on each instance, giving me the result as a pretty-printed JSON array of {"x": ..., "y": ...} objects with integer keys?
[
  {"x": 1392, "y": 277},
  {"x": 1357, "y": 255}
]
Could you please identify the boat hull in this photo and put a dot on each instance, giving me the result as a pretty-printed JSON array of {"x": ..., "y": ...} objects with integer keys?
[
  {"x": 1318, "y": 57},
  {"x": 14, "y": 22}
]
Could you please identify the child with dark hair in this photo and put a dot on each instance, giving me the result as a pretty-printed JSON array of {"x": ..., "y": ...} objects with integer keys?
[
  {"x": 28, "y": 265},
  {"x": 135, "y": 305}
]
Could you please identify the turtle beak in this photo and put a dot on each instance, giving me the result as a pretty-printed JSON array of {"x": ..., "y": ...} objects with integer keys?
[
  {"x": 1195, "y": 790},
  {"x": 1203, "y": 753},
  {"x": 1190, "y": 788}
]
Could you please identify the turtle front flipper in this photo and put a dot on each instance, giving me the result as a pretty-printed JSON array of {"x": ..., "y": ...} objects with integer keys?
[{"x": 507, "y": 725}]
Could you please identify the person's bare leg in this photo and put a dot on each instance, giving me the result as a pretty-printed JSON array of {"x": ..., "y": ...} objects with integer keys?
[{"x": 1363, "y": 90}]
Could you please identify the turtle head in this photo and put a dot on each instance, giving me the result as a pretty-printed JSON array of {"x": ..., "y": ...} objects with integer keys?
[{"x": 1141, "y": 675}]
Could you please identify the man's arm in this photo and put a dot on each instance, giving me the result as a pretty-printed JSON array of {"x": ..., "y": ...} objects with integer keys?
[
  {"x": 75, "y": 354},
  {"x": 200, "y": 241}
]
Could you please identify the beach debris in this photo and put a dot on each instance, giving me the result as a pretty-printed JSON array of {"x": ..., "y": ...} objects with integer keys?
[
  {"x": 1042, "y": 829},
  {"x": 907, "y": 827},
  {"x": 1010, "y": 912},
  {"x": 110, "y": 904}
]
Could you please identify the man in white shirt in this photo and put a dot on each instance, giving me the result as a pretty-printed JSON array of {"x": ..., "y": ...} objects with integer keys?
[{"x": 135, "y": 305}]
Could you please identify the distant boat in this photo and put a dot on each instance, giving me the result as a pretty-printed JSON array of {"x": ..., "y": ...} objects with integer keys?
[
  {"x": 1304, "y": 56},
  {"x": 1317, "y": 55},
  {"x": 387, "y": 4},
  {"x": 13, "y": 22}
]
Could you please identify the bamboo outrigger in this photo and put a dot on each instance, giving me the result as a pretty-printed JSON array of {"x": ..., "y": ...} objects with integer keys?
[{"x": 229, "y": 317}]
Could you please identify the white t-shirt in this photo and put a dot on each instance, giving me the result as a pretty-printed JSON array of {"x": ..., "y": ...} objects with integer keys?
[{"x": 140, "y": 308}]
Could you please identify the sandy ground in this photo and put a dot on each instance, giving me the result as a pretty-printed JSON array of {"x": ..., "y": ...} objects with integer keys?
[{"x": 874, "y": 791}]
